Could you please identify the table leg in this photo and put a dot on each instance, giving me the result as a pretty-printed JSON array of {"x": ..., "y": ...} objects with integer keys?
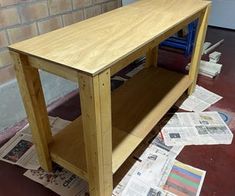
[
  {"x": 151, "y": 57},
  {"x": 196, "y": 58},
  {"x": 32, "y": 94},
  {"x": 95, "y": 94}
]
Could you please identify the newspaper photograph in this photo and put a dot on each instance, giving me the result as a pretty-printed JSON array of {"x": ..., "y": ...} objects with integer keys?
[
  {"x": 170, "y": 151},
  {"x": 19, "y": 150},
  {"x": 196, "y": 129},
  {"x": 184, "y": 180},
  {"x": 60, "y": 181}
]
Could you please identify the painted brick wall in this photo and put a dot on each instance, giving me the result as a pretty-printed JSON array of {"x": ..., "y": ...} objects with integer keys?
[{"x": 23, "y": 19}]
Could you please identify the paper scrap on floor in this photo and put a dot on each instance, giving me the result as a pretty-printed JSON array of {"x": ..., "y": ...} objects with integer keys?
[
  {"x": 150, "y": 174},
  {"x": 185, "y": 180},
  {"x": 189, "y": 128},
  {"x": 200, "y": 100},
  {"x": 19, "y": 150},
  {"x": 60, "y": 181}
]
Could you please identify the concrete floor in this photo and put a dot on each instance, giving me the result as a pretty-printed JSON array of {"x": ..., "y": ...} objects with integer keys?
[{"x": 217, "y": 160}]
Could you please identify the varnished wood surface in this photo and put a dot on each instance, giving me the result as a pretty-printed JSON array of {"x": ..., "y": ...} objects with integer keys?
[
  {"x": 196, "y": 57},
  {"x": 95, "y": 99},
  {"x": 97, "y": 43},
  {"x": 35, "y": 107}
]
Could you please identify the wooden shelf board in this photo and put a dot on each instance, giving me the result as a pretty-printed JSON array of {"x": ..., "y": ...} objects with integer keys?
[
  {"x": 139, "y": 104},
  {"x": 68, "y": 148},
  {"x": 136, "y": 108}
]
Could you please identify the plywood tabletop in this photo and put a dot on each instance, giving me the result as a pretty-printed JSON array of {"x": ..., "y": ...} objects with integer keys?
[{"x": 97, "y": 43}]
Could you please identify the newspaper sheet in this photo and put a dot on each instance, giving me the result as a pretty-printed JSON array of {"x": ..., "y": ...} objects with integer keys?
[
  {"x": 19, "y": 150},
  {"x": 187, "y": 128},
  {"x": 153, "y": 167},
  {"x": 138, "y": 187},
  {"x": 118, "y": 190},
  {"x": 60, "y": 181},
  {"x": 170, "y": 151},
  {"x": 184, "y": 180},
  {"x": 200, "y": 100}
]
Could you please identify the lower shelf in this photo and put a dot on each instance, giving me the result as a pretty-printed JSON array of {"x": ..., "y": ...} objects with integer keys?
[
  {"x": 68, "y": 148},
  {"x": 136, "y": 108}
]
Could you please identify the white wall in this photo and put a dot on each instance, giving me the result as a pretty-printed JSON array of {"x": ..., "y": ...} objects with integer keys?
[
  {"x": 11, "y": 106},
  {"x": 223, "y": 14}
]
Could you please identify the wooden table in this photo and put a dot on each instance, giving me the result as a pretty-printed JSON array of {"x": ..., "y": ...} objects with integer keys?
[{"x": 112, "y": 124}]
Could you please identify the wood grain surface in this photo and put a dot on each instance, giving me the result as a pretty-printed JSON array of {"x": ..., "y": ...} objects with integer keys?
[{"x": 95, "y": 44}]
